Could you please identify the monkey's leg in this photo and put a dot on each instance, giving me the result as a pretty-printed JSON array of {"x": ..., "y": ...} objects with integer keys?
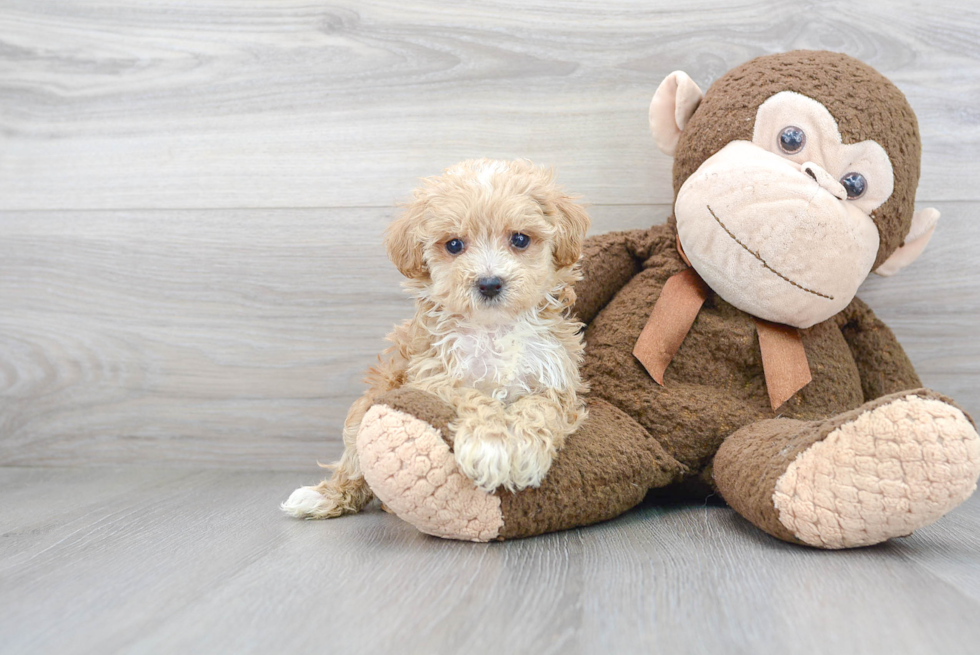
[
  {"x": 604, "y": 469},
  {"x": 891, "y": 466}
]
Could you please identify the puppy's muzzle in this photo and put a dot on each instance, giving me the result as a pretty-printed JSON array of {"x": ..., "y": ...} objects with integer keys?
[{"x": 490, "y": 287}]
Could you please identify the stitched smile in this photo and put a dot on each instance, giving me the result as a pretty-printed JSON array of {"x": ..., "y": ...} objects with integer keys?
[{"x": 762, "y": 261}]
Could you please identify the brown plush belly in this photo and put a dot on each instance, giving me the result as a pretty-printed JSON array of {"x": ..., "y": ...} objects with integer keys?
[{"x": 715, "y": 383}]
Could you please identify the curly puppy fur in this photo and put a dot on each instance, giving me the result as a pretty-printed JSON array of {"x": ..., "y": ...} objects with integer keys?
[{"x": 507, "y": 363}]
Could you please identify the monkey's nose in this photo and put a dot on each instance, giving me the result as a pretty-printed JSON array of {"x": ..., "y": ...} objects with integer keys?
[
  {"x": 490, "y": 287},
  {"x": 825, "y": 179}
]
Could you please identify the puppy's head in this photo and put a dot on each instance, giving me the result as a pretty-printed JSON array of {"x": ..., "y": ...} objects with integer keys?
[{"x": 489, "y": 239}]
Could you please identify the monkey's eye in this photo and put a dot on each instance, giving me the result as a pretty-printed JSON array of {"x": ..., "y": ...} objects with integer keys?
[
  {"x": 854, "y": 184},
  {"x": 791, "y": 140},
  {"x": 454, "y": 246},
  {"x": 520, "y": 241}
]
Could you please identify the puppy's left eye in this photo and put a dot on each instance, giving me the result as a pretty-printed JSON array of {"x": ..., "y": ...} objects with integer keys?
[{"x": 520, "y": 241}]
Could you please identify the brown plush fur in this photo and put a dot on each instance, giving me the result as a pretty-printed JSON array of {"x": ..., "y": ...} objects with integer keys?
[
  {"x": 865, "y": 104},
  {"x": 715, "y": 383},
  {"x": 643, "y": 436},
  {"x": 714, "y": 394},
  {"x": 775, "y": 444},
  {"x": 597, "y": 479}
]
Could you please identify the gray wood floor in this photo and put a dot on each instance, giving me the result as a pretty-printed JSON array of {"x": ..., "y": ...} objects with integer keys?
[
  {"x": 177, "y": 561},
  {"x": 192, "y": 194}
]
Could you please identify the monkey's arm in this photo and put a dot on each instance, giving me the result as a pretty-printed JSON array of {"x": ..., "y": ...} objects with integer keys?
[
  {"x": 883, "y": 365},
  {"x": 609, "y": 261}
]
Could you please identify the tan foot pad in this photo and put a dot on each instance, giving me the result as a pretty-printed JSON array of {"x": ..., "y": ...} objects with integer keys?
[
  {"x": 410, "y": 468},
  {"x": 895, "y": 468}
]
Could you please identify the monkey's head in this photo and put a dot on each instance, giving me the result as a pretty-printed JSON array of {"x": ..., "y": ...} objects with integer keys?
[{"x": 794, "y": 178}]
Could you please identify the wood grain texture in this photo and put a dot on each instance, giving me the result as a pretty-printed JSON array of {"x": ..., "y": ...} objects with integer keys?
[
  {"x": 202, "y": 561},
  {"x": 238, "y": 338},
  {"x": 226, "y": 338},
  {"x": 227, "y": 103},
  {"x": 192, "y": 193}
]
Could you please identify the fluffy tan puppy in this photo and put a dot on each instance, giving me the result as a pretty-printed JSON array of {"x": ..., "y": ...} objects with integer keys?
[{"x": 490, "y": 249}]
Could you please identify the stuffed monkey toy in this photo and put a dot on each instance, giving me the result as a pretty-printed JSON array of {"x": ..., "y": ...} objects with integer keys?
[{"x": 726, "y": 350}]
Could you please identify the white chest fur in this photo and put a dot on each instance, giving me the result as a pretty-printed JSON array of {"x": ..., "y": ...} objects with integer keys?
[{"x": 508, "y": 361}]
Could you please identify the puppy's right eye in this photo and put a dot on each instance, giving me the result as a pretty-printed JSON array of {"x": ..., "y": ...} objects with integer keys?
[{"x": 454, "y": 246}]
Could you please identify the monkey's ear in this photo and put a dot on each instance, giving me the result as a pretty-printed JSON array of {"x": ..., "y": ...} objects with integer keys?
[
  {"x": 403, "y": 241},
  {"x": 672, "y": 106},
  {"x": 923, "y": 225}
]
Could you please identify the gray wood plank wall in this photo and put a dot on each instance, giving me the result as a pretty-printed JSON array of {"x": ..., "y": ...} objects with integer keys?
[{"x": 192, "y": 192}]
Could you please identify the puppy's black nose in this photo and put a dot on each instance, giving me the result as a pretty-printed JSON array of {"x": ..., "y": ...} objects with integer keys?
[{"x": 490, "y": 287}]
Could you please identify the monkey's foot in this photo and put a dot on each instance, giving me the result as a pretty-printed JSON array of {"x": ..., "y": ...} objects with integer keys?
[
  {"x": 605, "y": 468},
  {"x": 892, "y": 470},
  {"x": 890, "y": 467},
  {"x": 409, "y": 466}
]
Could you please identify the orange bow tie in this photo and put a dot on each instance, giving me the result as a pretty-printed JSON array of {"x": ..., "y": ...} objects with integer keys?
[{"x": 783, "y": 357}]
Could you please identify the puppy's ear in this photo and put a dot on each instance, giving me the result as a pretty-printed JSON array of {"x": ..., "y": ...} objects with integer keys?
[
  {"x": 572, "y": 223},
  {"x": 403, "y": 241}
]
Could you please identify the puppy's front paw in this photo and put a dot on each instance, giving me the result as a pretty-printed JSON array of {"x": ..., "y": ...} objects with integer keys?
[
  {"x": 530, "y": 459},
  {"x": 494, "y": 456},
  {"x": 482, "y": 454}
]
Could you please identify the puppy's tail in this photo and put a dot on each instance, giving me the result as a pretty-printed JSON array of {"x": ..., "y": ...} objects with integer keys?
[
  {"x": 327, "y": 500},
  {"x": 305, "y": 503}
]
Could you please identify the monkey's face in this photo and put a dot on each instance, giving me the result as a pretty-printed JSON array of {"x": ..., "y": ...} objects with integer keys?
[
  {"x": 794, "y": 178},
  {"x": 781, "y": 226}
]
